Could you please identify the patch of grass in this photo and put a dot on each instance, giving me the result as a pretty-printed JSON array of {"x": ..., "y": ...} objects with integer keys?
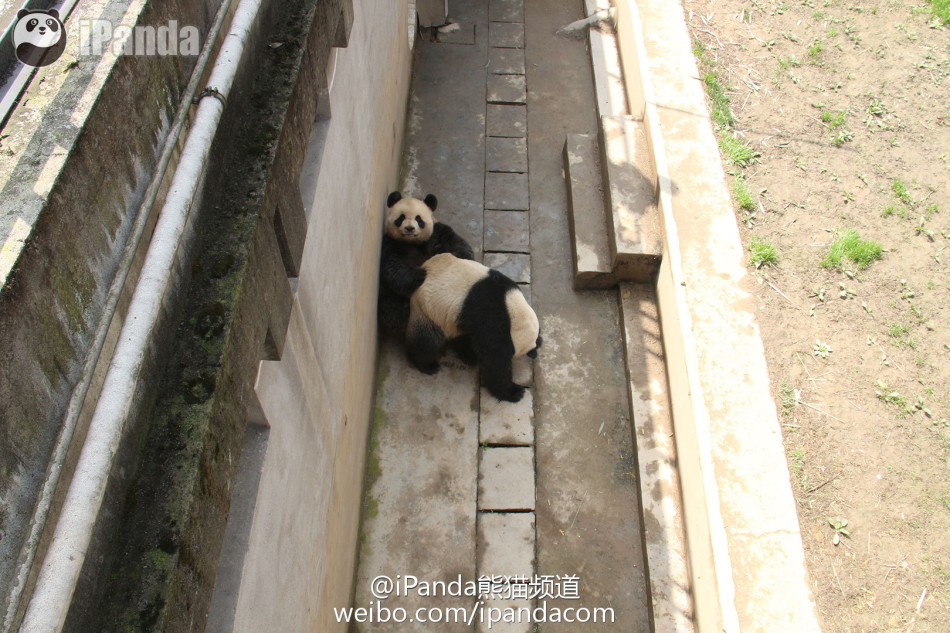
[
  {"x": 789, "y": 400},
  {"x": 737, "y": 152},
  {"x": 721, "y": 113},
  {"x": 785, "y": 62},
  {"x": 742, "y": 194},
  {"x": 813, "y": 52},
  {"x": 850, "y": 246},
  {"x": 833, "y": 119},
  {"x": 842, "y": 137},
  {"x": 900, "y": 190},
  {"x": 897, "y": 330},
  {"x": 941, "y": 9},
  {"x": 762, "y": 252}
]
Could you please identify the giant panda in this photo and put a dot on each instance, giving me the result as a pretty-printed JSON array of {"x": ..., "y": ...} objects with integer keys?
[
  {"x": 481, "y": 312},
  {"x": 411, "y": 236}
]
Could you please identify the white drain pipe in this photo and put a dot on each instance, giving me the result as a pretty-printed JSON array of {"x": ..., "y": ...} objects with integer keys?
[{"x": 64, "y": 560}]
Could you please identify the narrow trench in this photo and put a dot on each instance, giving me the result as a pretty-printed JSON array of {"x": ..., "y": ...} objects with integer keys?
[{"x": 543, "y": 492}]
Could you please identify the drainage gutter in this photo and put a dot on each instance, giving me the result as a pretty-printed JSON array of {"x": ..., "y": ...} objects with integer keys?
[{"x": 64, "y": 560}]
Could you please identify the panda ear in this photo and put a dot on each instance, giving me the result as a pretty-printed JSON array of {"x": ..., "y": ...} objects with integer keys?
[
  {"x": 394, "y": 197},
  {"x": 21, "y": 13},
  {"x": 54, "y": 13},
  {"x": 431, "y": 201}
]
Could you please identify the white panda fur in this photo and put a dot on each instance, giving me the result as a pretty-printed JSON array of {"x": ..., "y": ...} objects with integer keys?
[
  {"x": 411, "y": 236},
  {"x": 465, "y": 299}
]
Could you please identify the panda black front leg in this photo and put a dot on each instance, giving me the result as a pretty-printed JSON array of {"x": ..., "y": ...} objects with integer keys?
[
  {"x": 424, "y": 344},
  {"x": 462, "y": 346},
  {"x": 494, "y": 357}
]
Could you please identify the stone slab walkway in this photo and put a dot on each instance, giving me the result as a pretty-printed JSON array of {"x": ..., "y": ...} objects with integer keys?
[{"x": 541, "y": 494}]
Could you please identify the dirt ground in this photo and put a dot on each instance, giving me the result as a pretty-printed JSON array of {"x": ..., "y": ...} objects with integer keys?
[{"x": 847, "y": 106}]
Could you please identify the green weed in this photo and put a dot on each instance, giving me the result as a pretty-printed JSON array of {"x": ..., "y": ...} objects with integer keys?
[
  {"x": 737, "y": 152},
  {"x": 742, "y": 194},
  {"x": 850, "y": 246},
  {"x": 762, "y": 252},
  {"x": 900, "y": 190}
]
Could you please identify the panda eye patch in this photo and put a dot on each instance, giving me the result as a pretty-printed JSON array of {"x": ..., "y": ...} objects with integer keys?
[
  {"x": 420, "y": 222},
  {"x": 31, "y": 24},
  {"x": 52, "y": 25},
  {"x": 398, "y": 221}
]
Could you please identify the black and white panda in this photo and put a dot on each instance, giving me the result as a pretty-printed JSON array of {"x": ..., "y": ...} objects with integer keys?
[
  {"x": 412, "y": 235},
  {"x": 481, "y": 313},
  {"x": 38, "y": 37}
]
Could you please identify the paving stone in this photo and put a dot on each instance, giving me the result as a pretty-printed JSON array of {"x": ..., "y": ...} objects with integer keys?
[
  {"x": 507, "y": 89},
  {"x": 506, "y": 479},
  {"x": 522, "y": 368},
  {"x": 506, "y": 192},
  {"x": 505, "y": 35},
  {"x": 505, "y": 544},
  {"x": 464, "y": 34},
  {"x": 516, "y": 266},
  {"x": 506, "y": 61},
  {"x": 507, "y": 120},
  {"x": 506, "y": 10},
  {"x": 508, "y": 423},
  {"x": 507, "y": 231},
  {"x": 506, "y": 154}
]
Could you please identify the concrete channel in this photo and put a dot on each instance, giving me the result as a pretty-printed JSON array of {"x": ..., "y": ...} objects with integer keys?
[{"x": 278, "y": 468}]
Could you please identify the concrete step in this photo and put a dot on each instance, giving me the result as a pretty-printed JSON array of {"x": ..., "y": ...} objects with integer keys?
[
  {"x": 587, "y": 217},
  {"x": 630, "y": 181}
]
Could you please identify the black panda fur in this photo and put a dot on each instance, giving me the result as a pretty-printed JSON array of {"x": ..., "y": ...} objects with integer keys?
[
  {"x": 407, "y": 244},
  {"x": 481, "y": 313}
]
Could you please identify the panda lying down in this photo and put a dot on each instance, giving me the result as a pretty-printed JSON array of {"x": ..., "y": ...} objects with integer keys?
[{"x": 480, "y": 312}]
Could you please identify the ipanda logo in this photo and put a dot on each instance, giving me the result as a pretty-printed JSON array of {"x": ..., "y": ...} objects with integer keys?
[{"x": 39, "y": 37}]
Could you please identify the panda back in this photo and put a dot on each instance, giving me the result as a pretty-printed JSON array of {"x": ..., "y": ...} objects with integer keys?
[{"x": 443, "y": 293}]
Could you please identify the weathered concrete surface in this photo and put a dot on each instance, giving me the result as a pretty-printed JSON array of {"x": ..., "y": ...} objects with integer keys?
[
  {"x": 301, "y": 557},
  {"x": 707, "y": 315},
  {"x": 420, "y": 513},
  {"x": 587, "y": 218},
  {"x": 587, "y": 516},
  {"x": 664, "y": 537},
  {"x": 633, "y": 226}
]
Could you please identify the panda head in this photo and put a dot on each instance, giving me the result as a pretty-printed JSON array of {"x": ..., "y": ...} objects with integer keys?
[
  {"x": 38, "y": 37},
  {"x": 410, "y": 219}
]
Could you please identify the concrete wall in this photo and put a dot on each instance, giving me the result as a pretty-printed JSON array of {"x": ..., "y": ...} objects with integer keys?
[
  {"x": 75, "y": 158},
  {"x": 301, "y": 545}
]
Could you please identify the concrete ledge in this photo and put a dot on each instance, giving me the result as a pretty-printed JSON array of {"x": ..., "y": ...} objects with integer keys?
[
  {"x": 587, "y": 218},
  {"x": 746, "y": 558}
]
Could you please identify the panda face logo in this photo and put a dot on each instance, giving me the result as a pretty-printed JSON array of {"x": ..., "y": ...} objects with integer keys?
[{"x": 39, "y": 37}]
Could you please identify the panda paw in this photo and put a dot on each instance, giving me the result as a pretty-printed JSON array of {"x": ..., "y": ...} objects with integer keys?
[
  {"x": 512, "y": 394},
  {"x": 430, "y": 369}
]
